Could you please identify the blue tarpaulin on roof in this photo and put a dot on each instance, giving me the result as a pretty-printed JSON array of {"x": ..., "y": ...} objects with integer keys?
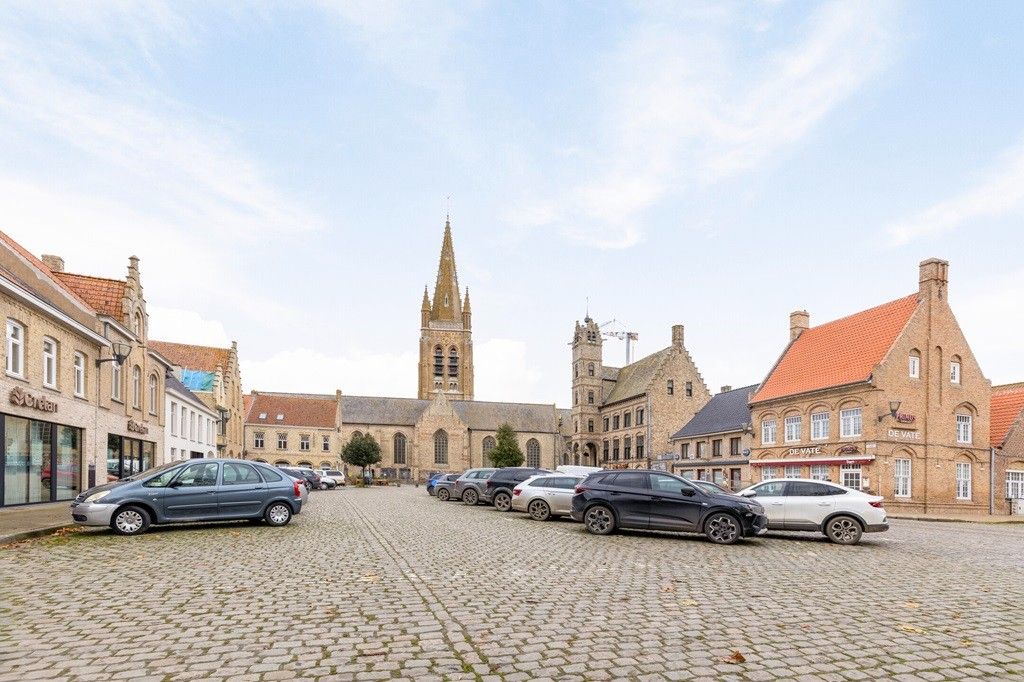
[{"x": 196, "y": 380}]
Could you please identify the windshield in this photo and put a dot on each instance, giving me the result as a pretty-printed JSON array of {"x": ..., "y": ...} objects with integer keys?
[
  {"x": 151, "y": 472},
  {"x": 710, "y": 488}
]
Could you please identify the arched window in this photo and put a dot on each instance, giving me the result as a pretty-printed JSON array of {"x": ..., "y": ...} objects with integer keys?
[
  {"x": 152, "y": 394},
  {"x": 399, "y": 445},
  {"x": 440, "y": 447},
  {"x": 438, "y": 361},
  {"x": 357, "y": 434},
  {"x": 281, "y": 463},
  {"x": 590, "y": 369},
  {"x": 533, "y": 453},
  {"x": 954, "y": 369},
  {"x": 137, "y": 325},
  {"x": 453, "y": 362},
  {"x": 136, "y": 387},
  {"x": 489, "y": 444},
  {"x": 326, "y": 465},
  {"x": 308, "y": 465},
  {"x": 914, "y": 364}
]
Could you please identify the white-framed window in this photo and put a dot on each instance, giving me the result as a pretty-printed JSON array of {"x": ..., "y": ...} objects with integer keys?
[
  {"x": 15, "y": 349},
  {"x": 184, "y": 422},
  {"x": 963, "y": 480},
  {"x": 49, "y": 362},
  {"x": 304, "y": 443},
  {"x": 792, "y": 471},
  {"x": 115, "y": 380},
  {"x": 768, "y": 432},
  {"x": 257, "y": 440},
  {"x": 282, "y": 441},
  {"x": 79, "y": 375},
  {"x": 964, "y": 429},
  {"x": 326, "y": 444},
  {"x": 769, "y": 473},
  {"x": 1014, "y": 484},
  {"x": 209, "y": 430},
  {"x": 793, "y": 425},
  {"x": 819, "y": 472},
  {"x": 819, "y": 425},
  {"x": 136, "y": 387},
  {"x": 174, "y": 454},
  {"x": 901, "y": 471},
  {"x": 174, "y": 418},
  {"x": 850, "y": 475},
  {"x": 152, "y": 394},
  {"x": 914, "y": 365},
  {"x": 192, "y": 425},
  {"x": 954, "y": 372},
  {"x": 202, "y": 429},
  {"x": 850, "y": 422}
]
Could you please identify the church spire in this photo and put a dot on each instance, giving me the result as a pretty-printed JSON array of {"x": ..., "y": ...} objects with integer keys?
[{"x": 447, "y": 303}]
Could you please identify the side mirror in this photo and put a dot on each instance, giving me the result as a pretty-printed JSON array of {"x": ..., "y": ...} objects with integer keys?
[
  {"x": 174, "y": 484},
  {"x": 687, "y": 491},
  {"x": 749, "y": 493}
]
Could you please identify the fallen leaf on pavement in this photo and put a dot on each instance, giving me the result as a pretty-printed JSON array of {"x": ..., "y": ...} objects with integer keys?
[
  {"x": 912, "y": 604},
  {"x": 735, "y": 657},
  {"x": 689, "y": 602},
  {"x": 906, "y": 627}
]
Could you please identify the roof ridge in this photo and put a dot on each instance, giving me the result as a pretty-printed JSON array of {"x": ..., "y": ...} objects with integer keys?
[
  {"x": 179, "y": 343},
  {"x": 1009, "y": 388},
  {"x": 78, "y": 274},
  {"x": 866, "y": 310}
]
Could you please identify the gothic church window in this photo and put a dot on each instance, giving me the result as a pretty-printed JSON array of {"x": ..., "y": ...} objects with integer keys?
[
  {"x": 438, "y": 361},
  {"x": 399, "y": 443},
  {"x": 453, "y": 362},
  {"x": 533, "y": 453},
  {"x": 440, "y": 447}
]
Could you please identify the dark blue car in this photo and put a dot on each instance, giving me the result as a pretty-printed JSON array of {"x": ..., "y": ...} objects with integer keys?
[{"x": 433, "y": 480}]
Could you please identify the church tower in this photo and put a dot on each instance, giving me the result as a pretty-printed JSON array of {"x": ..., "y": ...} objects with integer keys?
[
  {"x": 446, "y": 338},
  {"x": 587, "y": 374}
]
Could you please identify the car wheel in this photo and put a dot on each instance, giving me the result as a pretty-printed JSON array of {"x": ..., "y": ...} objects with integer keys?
[
  {"x": 444, "y": 494},
  {"x": 130, "y": 521},
  {"x": 470, "y": 497},
  {"x": 843, "y": 530},
  {"x": 278, "y": 514},
  {"x": 539, "y": 510},
  {"x": 503, "y": 502},
  {"x": 599, "y": 520},
  {"x": 722, "y": 529}
]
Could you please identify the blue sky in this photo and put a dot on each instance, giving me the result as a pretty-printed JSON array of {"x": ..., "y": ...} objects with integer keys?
[{"x": 282, "y": 170}]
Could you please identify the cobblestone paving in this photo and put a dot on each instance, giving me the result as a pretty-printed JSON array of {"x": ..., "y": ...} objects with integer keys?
[{"x": 389, "y": 583}]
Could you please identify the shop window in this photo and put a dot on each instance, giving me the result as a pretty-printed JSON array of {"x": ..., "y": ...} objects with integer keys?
[
  {"x": 792, "y": 471},
  {"x": 768, "y": 474},
  {"x": 819, "y": 472},
  {"x": 850, "y": 475},
  {"x": 15, "y": 349}
]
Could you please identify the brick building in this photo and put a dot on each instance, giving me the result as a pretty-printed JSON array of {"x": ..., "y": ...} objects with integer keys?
[
  {"x": 214, "y": 376},
  {"x": 1007, "y": 446},
  {"x": 715, "y": 445},
  {"x": 623, "y": 417},
  {"x": 890, "y": 400}
]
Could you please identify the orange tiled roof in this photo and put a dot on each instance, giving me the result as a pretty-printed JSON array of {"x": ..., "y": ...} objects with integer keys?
[
  {"x": 204, "y": 358},
  {"x": 841, "y": 352},
  {"x": 1007, "y": 404},
  {"x": 247, "y": 401},
  {"x": 24, "y": 253},
  {"x": 298, "y": 409},
  {"x": 105, "y": 296}
]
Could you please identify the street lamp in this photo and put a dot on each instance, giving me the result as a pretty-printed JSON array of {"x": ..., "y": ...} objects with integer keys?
[
  {"x": 894, "y": 406},
  {"x": 120, "y": 352}
]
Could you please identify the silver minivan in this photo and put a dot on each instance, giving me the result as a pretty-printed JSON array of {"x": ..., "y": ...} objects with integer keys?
[
  {"x": 545, "y": 496},
  {"x": 191, "y": 490}
]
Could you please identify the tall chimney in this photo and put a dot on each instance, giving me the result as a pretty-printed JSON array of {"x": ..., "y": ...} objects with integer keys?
[
  {"x": 934, "y": 278},
  {"x": 677, "y": 335},
  {"x": 799, "y": 322},
  {"x": 55, "y": 263}
]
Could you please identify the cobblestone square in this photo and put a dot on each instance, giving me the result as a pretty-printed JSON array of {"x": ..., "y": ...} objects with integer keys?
[{"x": 390, "y": 583}]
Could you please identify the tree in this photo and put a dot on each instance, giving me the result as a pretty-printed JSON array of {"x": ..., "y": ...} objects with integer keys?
[
  {"x": 506, "y": 452},
  {"x": 362, "y": 451}
]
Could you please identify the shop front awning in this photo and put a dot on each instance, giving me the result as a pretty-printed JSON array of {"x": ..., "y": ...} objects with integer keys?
[{"x": 835, "y": 459}]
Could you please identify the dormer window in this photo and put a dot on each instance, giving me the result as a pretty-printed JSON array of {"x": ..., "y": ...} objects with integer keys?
[
  {"x": 263, "y": 415},
  {"x": 280, "y": 417}
]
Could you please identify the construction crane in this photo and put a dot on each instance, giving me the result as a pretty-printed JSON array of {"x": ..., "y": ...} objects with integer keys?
[{"x": 627, "y": 336}]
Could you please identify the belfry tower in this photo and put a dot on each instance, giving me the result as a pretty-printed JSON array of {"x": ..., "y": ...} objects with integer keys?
[{"x": 446, "y": 337}]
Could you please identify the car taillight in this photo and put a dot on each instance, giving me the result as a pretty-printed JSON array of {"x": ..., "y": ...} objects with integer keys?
[
  {"x": 876, "y": 505},
  {"x": 489, "y": 484},
  {"x": 580, "y": 489},
  {"x": 517, "y": 491},
  {"x": 296, "y": 488}
]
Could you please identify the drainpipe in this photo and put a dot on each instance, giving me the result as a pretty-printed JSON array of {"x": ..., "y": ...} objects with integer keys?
[
  {"x": 991, "y": 481},
  {"x": 650, "y": 444}
]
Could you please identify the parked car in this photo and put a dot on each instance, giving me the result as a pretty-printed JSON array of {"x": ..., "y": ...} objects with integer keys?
[
  {"x": 312, "y": 479},
  {"x": 470, "y": 485},
  {"x": 497, "y": 490},
  {"x": 444, "y": 485},
  {"x": 337, "y": 477},
  {"x": 640, "y": 499},
  {"x": 191, "y": 490},
  {"x": 433, "y": 479},
  {"x": 842, "y": 514},
  {"x": 546, "y": 495}
]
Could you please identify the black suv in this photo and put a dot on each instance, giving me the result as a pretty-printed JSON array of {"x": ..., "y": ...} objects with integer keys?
[
  {"x": 640, "y": 499},
  {"x": 498, "y": 490}
]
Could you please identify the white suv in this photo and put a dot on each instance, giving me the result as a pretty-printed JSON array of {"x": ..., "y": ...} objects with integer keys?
[
  {"x": 841, "y": 513},
  {"x": 332, "y": 474}
]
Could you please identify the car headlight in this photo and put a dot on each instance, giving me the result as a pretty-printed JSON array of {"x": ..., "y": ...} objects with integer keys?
[{"x": 96, "y": 497}]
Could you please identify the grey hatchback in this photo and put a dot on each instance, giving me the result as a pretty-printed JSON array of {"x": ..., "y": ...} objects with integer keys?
[{"x": 192, "y": 490}]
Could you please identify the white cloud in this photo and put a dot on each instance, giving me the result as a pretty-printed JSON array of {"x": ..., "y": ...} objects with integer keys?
[
  {"x": 685, "y": 106},
  {"x": 999, "y": 192},
  {"x": 186, "y": 326}
]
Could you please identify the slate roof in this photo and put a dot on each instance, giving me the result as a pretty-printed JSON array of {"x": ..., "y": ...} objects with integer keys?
[
  {"x": 1007, "y": 405},
  {"x": 297, "y": 409},
  {"x": 205, "y": 358},
  {"x": 610, "y": 373},
  {"x": 729, "y": 411},
  {"x": 838, "y": 353},
  {"x": 635, "y": 378},
  {"x": 104, "y": 295}
]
